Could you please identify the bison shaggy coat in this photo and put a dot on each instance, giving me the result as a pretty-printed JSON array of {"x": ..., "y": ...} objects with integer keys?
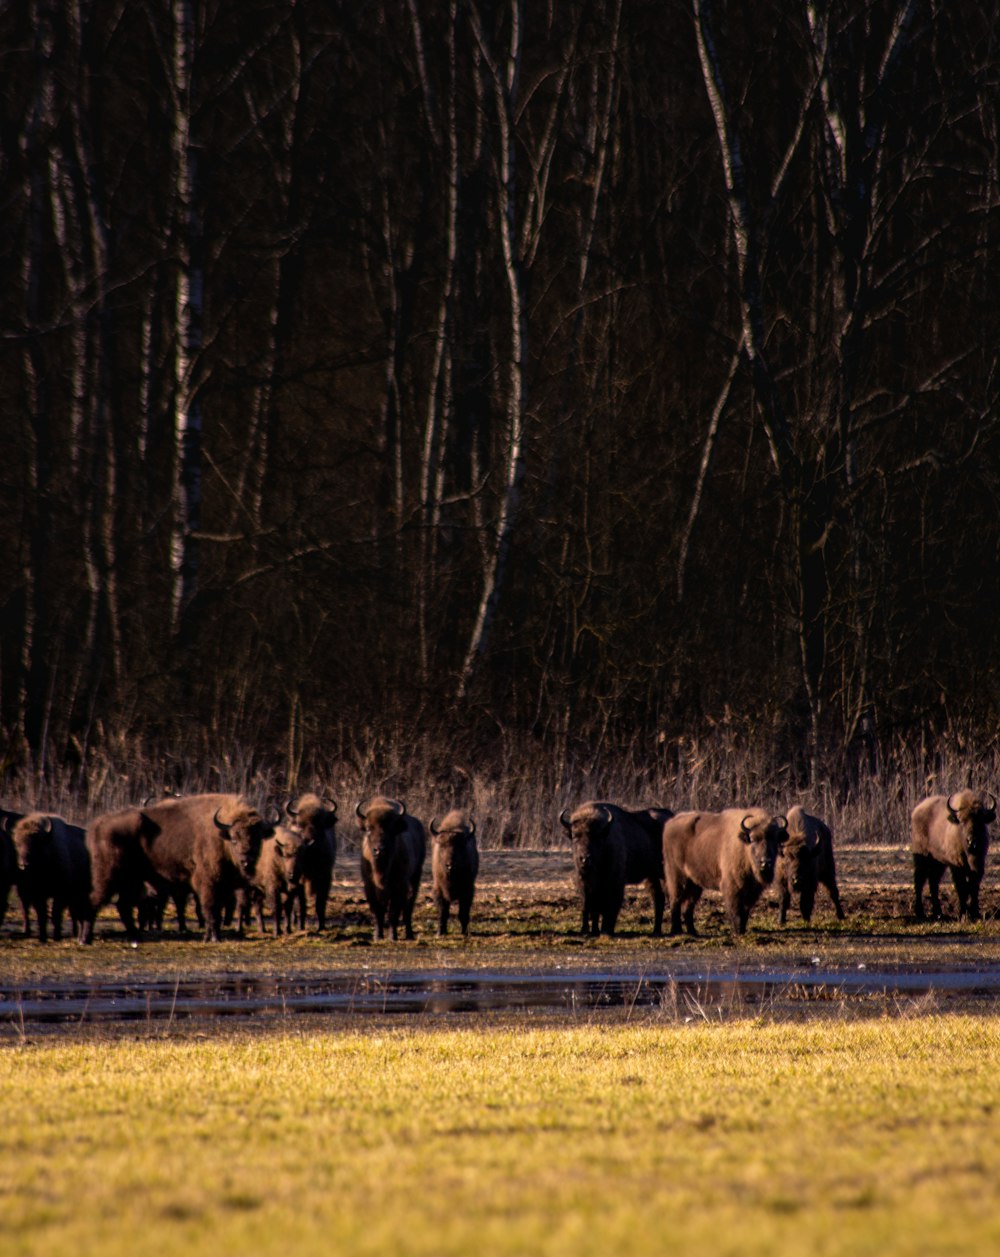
[
  {"x": 314, "y": 821},
  {"x": 205, "y": 843},
  {"x": 612, "y": 848},
  {"x": 951, "y": 832},
  {"x": 454, "y": 866},
  {"x": 805, "y": 863},
  {"x": 393, "y": 848},
  {"x": 733, "y": 852},
  {"x": 52, "y": 865}
]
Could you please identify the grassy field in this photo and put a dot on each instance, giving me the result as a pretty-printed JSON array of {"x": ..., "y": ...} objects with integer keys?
[{"x": 876, "y": 1137}]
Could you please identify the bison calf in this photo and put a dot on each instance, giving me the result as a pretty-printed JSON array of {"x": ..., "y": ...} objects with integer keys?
[
  {"x": 613, "y": 848},
  {"x": 733, "y": 851},
  {"x": 806, "y": 862},
  {"x": 393, "y": 848},
  {"x": 950, "y": 832},
  {"x": 52, "y": 864},
  {"x": 314, "y": 821},
  {"x": 454, "y": 865}
]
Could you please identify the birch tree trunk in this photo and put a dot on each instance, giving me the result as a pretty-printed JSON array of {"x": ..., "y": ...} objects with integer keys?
[
  {"x": 504, "y": 81},
  {"x": 188, "y": 323}
]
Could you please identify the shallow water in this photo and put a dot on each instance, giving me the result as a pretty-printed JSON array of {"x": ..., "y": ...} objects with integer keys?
[{"x": 449, "y": 992}]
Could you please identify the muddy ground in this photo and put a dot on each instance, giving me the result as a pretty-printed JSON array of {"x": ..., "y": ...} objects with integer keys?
[{"x": 524, "y": 956}]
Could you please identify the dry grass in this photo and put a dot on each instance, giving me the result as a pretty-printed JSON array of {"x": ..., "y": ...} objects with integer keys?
[
  {"x": 872, "y": 1138},
  {"x": 517, "y": 791}
]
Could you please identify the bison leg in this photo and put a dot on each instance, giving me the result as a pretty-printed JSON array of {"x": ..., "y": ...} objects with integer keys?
[
  {"x": 659, "y": 903},
  {"x": 785, "y": 904},
  {"x": 831, "y": 886},
  {"x": 934, "y": 874},
  {"x": 408, "y": 919},
  {"x": 919, "y": 879},
  {"x": 41, "y": 912},
  {"x": 807, "y": 901},
  {"x": 58, "y": 909},
  {"x": 444, "y": 908},
  {"x": 690, "y": 903},
  {"x": 464, "y": 909}
]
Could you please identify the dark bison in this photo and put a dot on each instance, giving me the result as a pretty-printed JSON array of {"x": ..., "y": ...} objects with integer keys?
[
  {"x": 613, "y": 848},
  {"x": 733, "y": 851},
  {"x": 8, "y": 862},
  {"x": 805, "y": 863},
  {"x": 52, "y": 865},
  {"x": 205, "y": 843},
  {"x": 455, "y": 866},
  {"x": 314, "y": 820},
  {"x": 393, "y": 847},
  {"x": 950, "y": 832}
]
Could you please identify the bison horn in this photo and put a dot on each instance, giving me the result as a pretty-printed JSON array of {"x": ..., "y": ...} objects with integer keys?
[
  {"x": 609, "y": 816},
  {"x": 218, "y": 823},
  {"x": 992, "y": 805},
  {"x": 744, "y": 827},
  {"x": 564, "y": 818},
  {"x": 952, "y": 814},
  {"x": 275, "y": 816},
  {"x": 293, "y": 812},
  {"x": 46, "y": 825},
  {"x": 147, "y": 800},
  {"x": 331, "y": 805},
  {"x": 400, "y": 807},
  {"x": 359, "y": 813},
  {"x": 435, "y": 827},
  {"x": 472, "y": 828},
  {"x": 781, "y": 822}
]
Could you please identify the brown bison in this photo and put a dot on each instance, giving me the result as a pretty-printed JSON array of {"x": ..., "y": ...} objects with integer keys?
[
  {"x": 314, "y": 820},
  {"x": 613, "y": 848},
  {"x": 454, "y": 866},
  {"x": 806, "y": 862},
  {"x": 275, "y": 882},
  {"x": 950, "y": 832},
  {"x": 393, "y": 847},
  {"x": 205, "y": 843},
  {"x": 733, "y": 851},
  {"x": 52, "y": 865}
]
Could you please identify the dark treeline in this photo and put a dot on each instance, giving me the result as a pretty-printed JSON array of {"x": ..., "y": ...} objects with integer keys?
[{"x": 583, "y": 368}]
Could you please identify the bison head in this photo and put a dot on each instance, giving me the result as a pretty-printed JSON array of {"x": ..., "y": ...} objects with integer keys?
[
  {"x": 972, "y": 814},
  {"x": 289, "y": 847},
  {"x": 381, "y": 823},
  {"x": 243, "y": 833},
  {"x": 313, "y": 818},
  {"x": 764, "y": 836},
  {"x": 453, "y": 838},
  {"x": 589, "y": 828},
  {"x": 32, "y": 838}
]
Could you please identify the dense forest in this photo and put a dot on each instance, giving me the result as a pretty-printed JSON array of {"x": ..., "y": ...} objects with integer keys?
[{"x": 570, "y": 371}]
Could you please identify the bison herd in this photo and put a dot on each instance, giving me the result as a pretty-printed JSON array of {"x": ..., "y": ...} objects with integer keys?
[{"x": 233, "y": 860}]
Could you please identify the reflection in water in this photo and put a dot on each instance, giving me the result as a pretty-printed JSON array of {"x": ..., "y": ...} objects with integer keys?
[{"x": 467, "y": 992}]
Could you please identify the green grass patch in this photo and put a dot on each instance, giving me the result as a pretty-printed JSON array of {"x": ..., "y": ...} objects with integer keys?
[{"x": 824, "y": 1137}]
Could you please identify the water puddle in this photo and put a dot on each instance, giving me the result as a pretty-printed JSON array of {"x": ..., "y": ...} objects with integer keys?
[{"x": 450, "y": 992}]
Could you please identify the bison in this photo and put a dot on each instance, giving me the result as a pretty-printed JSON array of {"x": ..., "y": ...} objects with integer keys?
[
  {"x": 950, "y": 832},
  {"x": 314, "y": 820},
  {"x": 52, "y": 864},
  {"x": 393, "y": 847},
  {"x": 275, "y": 884},
  {"x": 454, "y": 866},
  {"x": 8, "y": 862},
  {"x": 612, "y": 848},
  {"x": 206, "y": 843},
  {"x": 733, "y": 851},
  {"x": 806, "y": 862}
]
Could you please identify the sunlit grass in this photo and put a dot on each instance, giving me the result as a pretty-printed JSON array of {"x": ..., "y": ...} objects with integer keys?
[{"x": 873, "y": 1137}]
